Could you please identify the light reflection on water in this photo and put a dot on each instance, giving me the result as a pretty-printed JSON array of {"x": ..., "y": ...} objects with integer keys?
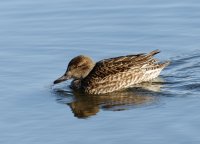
[
  {"x": 181, "y": 81},
  {"x": 38, "y": 38},
  {"x": 83, "y": 105}
]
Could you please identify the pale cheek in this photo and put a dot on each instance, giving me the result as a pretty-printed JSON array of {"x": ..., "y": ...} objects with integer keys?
[
  {"x": 79, "y": 72},
  {"x": 76, "y": 73}
]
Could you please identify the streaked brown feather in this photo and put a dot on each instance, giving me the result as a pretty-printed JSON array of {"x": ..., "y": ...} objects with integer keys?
[
  {"x": 111, "y": 74},
  {"x": 120, "y": 72}
]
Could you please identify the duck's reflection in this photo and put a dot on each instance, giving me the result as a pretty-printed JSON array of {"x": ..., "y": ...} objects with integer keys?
[{"x": 84, "y": 106}]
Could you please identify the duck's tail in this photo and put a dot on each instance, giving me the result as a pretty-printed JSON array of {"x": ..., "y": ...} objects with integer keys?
[
  {"x": 165, "y": 64},
  {"x": 152, "y": 53},
  {"x": 154, "y": 70}
]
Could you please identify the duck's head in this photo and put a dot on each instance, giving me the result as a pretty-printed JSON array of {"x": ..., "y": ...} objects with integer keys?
[{"x": 78, "y": 68}]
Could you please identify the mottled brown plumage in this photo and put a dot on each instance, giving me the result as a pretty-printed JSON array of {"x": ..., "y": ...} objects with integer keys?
[{"x": 112, "y": 74}]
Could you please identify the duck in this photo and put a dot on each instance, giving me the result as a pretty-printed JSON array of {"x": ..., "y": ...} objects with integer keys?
[{"x": 112, "y": 74}]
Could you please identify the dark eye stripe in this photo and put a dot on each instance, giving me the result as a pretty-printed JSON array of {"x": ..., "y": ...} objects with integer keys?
[{"x": 80, "y": 65}]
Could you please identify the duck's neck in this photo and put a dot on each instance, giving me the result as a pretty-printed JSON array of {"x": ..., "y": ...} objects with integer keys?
[
  {"x": 76, "y": 84},
  {"x": 87, "y": 71}
]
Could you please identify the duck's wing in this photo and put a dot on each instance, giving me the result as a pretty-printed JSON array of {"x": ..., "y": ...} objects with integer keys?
[
  {"x": 112, "y": 66},
  {"x": 115, "y": 70}
]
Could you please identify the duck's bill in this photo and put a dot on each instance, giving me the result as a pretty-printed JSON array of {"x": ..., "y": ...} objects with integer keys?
[{"x": 61, "y": 79}]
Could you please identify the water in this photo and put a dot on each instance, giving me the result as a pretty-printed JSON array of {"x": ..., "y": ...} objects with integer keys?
[{"x": 38, "y": 38}]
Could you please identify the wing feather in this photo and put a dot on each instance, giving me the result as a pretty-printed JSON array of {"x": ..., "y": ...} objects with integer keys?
[{"x": 112, "y": 66}]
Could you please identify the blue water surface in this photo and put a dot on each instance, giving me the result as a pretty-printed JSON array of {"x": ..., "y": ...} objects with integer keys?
[{"x": 39, "y": 38}]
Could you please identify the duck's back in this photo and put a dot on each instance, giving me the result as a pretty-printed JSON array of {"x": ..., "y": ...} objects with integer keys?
[{"x": 120, "y": 72}]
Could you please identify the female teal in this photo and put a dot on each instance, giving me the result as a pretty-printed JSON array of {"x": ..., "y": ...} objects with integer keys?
[{"x": 111, "y": 74}]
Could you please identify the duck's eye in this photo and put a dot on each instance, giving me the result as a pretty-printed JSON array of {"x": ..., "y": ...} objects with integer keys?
[{"x": 79, "y": 66}]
